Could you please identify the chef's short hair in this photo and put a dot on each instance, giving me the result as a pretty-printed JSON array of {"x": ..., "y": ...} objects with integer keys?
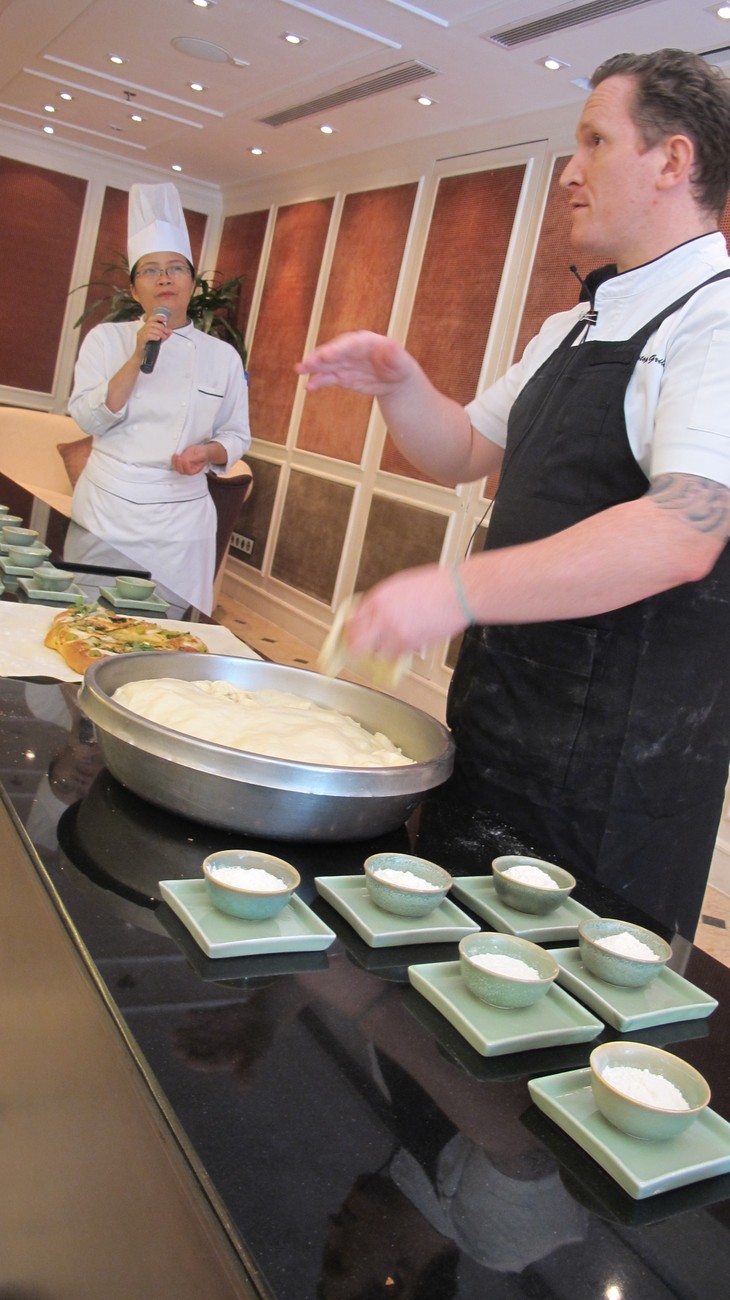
[{"x": 679, "y": 93}]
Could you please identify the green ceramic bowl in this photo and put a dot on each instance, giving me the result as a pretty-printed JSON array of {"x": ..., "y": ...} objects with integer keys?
[
  {"x": 612, "y": 966},
  {"x": 9, "y": 521},
  {"x": 406, "y": 899},
  {"x": 639, "y": 1118},
  {"x": 249, "y": 904},
  {"x": 28, "y": 557},
  {"x": 131, "y": 588},
  {"x": 4, "y": 510},
  {"x": 502, "y": 990},
  {"x": 530, "y": 898},
  {"x": 50, "y": 579},
  {"x": 15, "y": 535}
]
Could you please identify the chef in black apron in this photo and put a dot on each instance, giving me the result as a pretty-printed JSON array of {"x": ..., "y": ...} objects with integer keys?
[{"x": 600, "y": 734}]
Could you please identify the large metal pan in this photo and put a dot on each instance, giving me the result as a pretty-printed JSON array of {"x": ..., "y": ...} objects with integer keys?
[{"x": 252, "y": 793}]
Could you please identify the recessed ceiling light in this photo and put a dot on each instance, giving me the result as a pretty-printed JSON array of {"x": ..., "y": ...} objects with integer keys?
[
  {"x": 425, "y": 101},
  {"x": 176, "y": 167},
  {"x": 327, "y": 130},
  {"x": 136, "y": 117},
  {"x": 64, "y": 94},
  {"x": 49, "y": 130},
  {"x": 204, "y": 4},
  {"x": 552, "y": 64},
  {"x": 48, "y": 108},
  {"x": 723, "y": 11},
  {"x": 197, "y": 85},
  {"x": 116, "y": 58},
  {"x": 256, "y": 150},
  {"x": 293, "y": 38}
]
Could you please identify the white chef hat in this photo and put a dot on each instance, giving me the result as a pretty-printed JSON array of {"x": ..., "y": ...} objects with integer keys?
[{"x": 156, "y": 222}]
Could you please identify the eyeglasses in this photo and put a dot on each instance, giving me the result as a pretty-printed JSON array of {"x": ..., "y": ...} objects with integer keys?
[{"x": 172, "y": 272}]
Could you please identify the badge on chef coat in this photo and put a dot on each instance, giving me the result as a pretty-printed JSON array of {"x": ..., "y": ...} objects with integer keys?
[{"x": 156, "y": 222}]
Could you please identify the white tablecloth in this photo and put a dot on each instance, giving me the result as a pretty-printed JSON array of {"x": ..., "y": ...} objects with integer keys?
[{"x": 24, "y": 627}]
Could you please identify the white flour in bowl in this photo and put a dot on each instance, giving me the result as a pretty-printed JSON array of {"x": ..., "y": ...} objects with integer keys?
[
  {"x": 408, "y": 879},
  {"x": 255, "y": 878},
  {"x": 645, "y": 1086},
  {"x": 627, "y": 945},
  {"x": 500, "y": 964},
  {"x": 527, "y": 874}
]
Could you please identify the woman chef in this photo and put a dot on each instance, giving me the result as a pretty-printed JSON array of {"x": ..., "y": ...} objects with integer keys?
[{"x": 157, "y": 433}]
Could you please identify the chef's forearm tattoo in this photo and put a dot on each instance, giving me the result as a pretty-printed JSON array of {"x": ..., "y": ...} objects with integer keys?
[{"x": 703, "y": 503}]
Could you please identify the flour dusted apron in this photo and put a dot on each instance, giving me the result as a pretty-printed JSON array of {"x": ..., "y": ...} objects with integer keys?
[
  {"x": 603, "y": 741},
  {"x": 162, "y": 520}
]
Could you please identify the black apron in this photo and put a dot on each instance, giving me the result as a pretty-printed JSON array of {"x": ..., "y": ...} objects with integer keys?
[{"x": 603, "y": 741}]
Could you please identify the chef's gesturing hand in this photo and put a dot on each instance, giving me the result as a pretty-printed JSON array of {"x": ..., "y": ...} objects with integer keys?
[
  {"x": 361, "y": 361},
  {"x": 405, "y": 613}
]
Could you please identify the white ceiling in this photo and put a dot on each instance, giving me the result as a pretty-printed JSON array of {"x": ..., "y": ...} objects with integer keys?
[{"x": 47, "y": 46}]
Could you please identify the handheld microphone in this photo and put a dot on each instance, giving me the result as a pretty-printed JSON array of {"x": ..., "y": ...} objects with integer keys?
[{"x": 153, "y": 347}]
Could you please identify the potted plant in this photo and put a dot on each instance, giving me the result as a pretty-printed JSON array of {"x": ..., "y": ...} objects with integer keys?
[{"x": 211, "y": 308}]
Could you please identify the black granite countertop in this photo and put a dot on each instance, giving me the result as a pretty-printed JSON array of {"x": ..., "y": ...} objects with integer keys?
[{"x": 359, "y": 1146}]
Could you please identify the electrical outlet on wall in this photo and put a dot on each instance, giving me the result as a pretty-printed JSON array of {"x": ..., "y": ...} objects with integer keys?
[{"x": 241, "y": 543}]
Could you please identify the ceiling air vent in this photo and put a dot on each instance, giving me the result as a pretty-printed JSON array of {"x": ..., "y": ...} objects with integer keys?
[
  {"x": 559, "y": 20},
  {"x": 400, "y": 74}
]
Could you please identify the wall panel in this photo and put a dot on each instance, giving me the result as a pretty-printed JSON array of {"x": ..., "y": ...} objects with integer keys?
[
  {"x": 360, "y": 292},
  {"x": 40, "y": 219},
  {"x": 552, "y": 287},
  {"x": 239, "y": 254},
  {"x": 312, "y": 534},
  {"x": 254, "y": 520},
  {"x": 284, "y": 315},
  {"x": 457, "y": 290},
  {"x": 398, "y": 536}
]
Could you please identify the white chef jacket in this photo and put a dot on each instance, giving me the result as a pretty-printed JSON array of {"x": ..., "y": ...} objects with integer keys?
[
  {"x": 677, "y": 403},
  {"x": 128, "y": 493}
]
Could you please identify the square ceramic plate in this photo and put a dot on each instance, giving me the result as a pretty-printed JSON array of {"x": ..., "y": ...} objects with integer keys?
[
  {"x": 553, "y": 1020},
  {"x": 67, "y": 597},
  {"x": 667, "y": 998},
  {"x": 17, "y": 570},
  {"x": 641, "y": 1168},
  {"x": 479, "y": 894},
  {"x": 349, "y": 896},
  {"x": 295, "y": 929},
  {"x": 154, "y": 605}
]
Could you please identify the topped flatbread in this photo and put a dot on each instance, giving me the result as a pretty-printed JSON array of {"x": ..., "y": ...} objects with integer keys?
[{"x": 85, "y": 633}]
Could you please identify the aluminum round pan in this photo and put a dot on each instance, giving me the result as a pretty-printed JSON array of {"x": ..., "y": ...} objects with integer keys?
[{"x": 252, "y": 793}]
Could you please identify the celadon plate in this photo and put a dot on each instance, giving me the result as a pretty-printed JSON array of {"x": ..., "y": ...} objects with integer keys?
[
  {"x": 68, "y": 597},
  {"x": 295, "y": 929},
  {"x": 552, "y": 1021},
  {"x": 665, "y": 999},
  {"x": 642, "y": 1168},
  {"x": 154, "y": 604},
  {"x": 479, "y": 894},
  {"x": 349, "y": 896}
]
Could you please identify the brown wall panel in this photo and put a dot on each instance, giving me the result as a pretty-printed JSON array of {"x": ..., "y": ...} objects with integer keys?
[
  {"x": 552, "y": 287},
  {"x": 111, "y": 245},
  {"x": 239, "y": 254},
  {"x": 462, "y": 268},
  {"x": 284, "y": 315},
  {"x": 40, "y": 218},
  {"x": 360, "y": 292},
  {"x": 254, "y": 520},
  {"x": 398, "y": 536},
  {"x": 312, "y": 534}
]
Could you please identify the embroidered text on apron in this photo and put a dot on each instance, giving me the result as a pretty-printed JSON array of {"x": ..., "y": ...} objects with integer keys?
[{"x": 603, "y": 740}]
